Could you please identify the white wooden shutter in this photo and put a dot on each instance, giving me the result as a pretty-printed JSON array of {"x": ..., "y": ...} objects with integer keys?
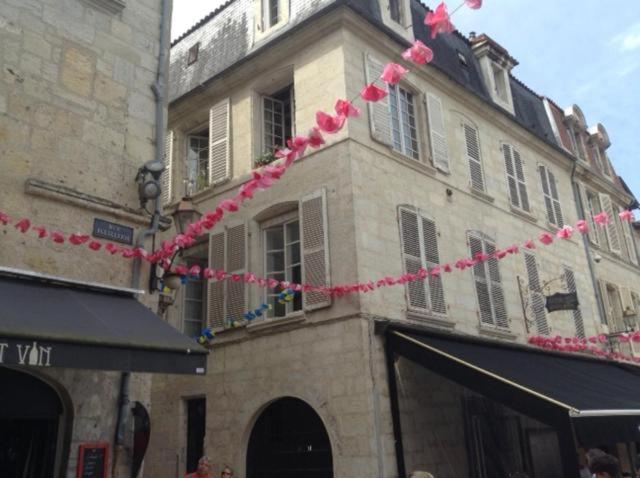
[
  {"x": 167, "y": 177},
  {"x": 495, "y": 283},
  {"x": 521, "y": 180},
  {"x": 236, "y": 256},
  {"x": 604, "y": 297},
  {"x": 480, "y": 280},
  {"x": 628, "y": 239},
  {"x": 437, "y": 132},
  {"x": 512, "y": 182},
  {"x": 315, "y": 248},
  {"x": 432, "y": 258},
  {"x": 219, "y": 142},
  {"x": 379, "y": 117},
  {"x": 216, "y": 292},
  {"x": 570, "y": 284},
  {"x": 612, "y": 227},
  {"x": 536, "y": 297},
  {"x": 551, "y": 198},
  {"x": 588, "y": 214},
  {"x": 417, "y": 298},
  {"x": 472, "y": 144}
]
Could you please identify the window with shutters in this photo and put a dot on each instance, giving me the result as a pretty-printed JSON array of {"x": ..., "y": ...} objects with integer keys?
[
  {"x": 277, "y": 119},
  {"x": 630, "y": 246},
  {"x": 283, "y": 261},
  {"x": 516, "y": 181},
  {"x": 551, "y": 198},
  {"x": 570, "y": 284},
  {"x": 615, "y": 317},
  {"x": 167, "y": 175},
  {"x": 402, "y": 117},
  {"x": 437, "y": 134},
  {"x": 488, "y": 282},
  {"x": 612, "y": 233},
  {"x": 536, "y": 295},
  {"x": 472, "y": 148},
  {"x": 193, "y": 306},
  {"x": 419, "y": 239},
  {"x": 592, "y": 208},
  {"x": 197, "y": 160}
]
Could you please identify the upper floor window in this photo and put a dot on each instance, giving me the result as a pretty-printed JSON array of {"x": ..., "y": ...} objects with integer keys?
[
  {"x": 500, "y": 82},
  {"x": 488, "y": 283},
  {"x": 536, "y": 295},
  {"x": 570, "y": 284},
  {"x": 395, "y": 10},
  {"x": 577, "y": 143},
  {"x": 283, "y": 262},
  {"x": 612, "y": 303},
  {"x": 593, "y": 208},
  {"x": 193, "y": 54},
  {"x": 403, "y": 121},
  {"x": 515, "y": 177},
  {"x": 472, "y": 144},
  {"x": 270, "y": 13},
  {"x": 277, "y": 119},
  {"x": 198, "y": 160},
  {"x": 419, "y": 240},
  {"x": 551, "y": 198},
  {"x": 195, "y": 303}
]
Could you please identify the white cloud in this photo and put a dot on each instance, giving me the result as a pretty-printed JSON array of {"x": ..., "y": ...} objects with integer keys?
[{"x": 628, "y": 40}]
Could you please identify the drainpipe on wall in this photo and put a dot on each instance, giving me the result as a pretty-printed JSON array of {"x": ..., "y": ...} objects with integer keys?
[
  {"x": 159, "y": 93},
  {"x": 585, "y": 242}
]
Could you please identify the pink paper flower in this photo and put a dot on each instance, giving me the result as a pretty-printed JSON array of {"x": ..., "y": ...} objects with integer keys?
[
  {"x": 438, "y": 21},
  {"x": 41, "y": 230},
  {"x": 181, "y": 270},
  {"x": 446, "y": 268},
  {"x": 288, "y": 155},
  {"x": 4, "y": 218},
  {"x": 329, "y": 123},
  {"x": 501, "y": 253},
  {"x": 582, "y": 226},
  {"x": 512, "y": 249},
  {"x": 565, "y": 232},
  {"x": 545, "y": 238},
  {"x": 95, "y": 246},
  {"x": 602, "y": 218},
  {"x": 57, "y": 237},
  {"x": 207, "y": 273},
  {"x": 529, "y": 244},
  {"x": 315, "y": 137},
  {"x": 77, "y": 239},
  {"x": 229, "y": 205},
  {"x": 473, "y": 4},
  {"x": 418, "y": 53},
  {"x": 127, "y": 253},
  {"x": 194, "y": 271},
  {"x": 626, "y": 215},
  {"x": 23, "y": 225},
  {"x": 373, "y": 93},
  {"x": 435, "y": 271},
  {"x": 393, "y": 73},
  {"x": 298, "y": 144},
  {"x": 247, "y": 189},
  {"x": 347, "y": 109}
]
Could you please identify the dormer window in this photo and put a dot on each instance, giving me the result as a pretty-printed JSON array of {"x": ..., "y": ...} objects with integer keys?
[
  {"x": 193, "y": 54},
  {"x": 395, "y": 11},
  {"x": 462, "y": 59},
  {"x": 499, "y": 82},
  {"x": 578, "y": 145},
  {"x": 270, "y": 13}
]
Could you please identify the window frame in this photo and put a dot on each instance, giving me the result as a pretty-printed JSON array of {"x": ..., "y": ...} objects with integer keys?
[
  {"x": 398, "y": 91},
  {"x": 203, "y": 298},
  {"x": 192, "y": 182},
  {"x": 399, "y": 9},
  {"x": 193, "y": 53},
  {"x": 266, "y": 10},
  {"x": 466, "y": 123},
  {"x": 554, "y": 201},
  {"x": 519, "y": 183},
  {"x": 286, "y": 134},
  {"x": 281, "y": 222}
]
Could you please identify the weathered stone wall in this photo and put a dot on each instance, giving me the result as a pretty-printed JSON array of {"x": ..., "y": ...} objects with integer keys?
[{"x": 77, "y": 114}]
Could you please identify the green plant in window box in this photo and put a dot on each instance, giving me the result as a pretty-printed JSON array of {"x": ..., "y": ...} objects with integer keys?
[
  {"x": 202, "y": 181},
  {"x": 264, "y": 159}
]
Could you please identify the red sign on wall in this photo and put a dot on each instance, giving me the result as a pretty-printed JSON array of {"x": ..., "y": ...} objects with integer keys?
[{"x": 93, "y": 460}]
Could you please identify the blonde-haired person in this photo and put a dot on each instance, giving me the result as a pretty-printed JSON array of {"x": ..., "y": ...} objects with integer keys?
[
  {"x": 421, "y": 474},
  {"x": 227, "y": 472}
]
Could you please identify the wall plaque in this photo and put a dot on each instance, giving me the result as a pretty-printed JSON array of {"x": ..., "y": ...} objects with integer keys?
[
  {"x": 562, "y": 301},
  {"x": 93, "y": 460},
  {"x": 112, "y": 231}
]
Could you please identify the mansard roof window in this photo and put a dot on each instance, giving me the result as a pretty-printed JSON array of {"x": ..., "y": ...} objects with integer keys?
[{"x": 193, "y": 54}]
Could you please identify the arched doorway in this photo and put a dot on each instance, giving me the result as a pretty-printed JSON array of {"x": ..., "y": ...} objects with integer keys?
[
  {"x": 289, "y": 441},
  {"x": 30, "y": 421}
]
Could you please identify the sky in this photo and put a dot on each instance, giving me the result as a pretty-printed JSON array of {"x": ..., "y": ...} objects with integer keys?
[{"x": 572, "y": 51}]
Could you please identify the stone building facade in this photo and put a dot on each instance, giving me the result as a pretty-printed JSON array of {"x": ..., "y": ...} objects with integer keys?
[
  {"x": 461, "y": 158},
  {"x": 77, "y": 121}
]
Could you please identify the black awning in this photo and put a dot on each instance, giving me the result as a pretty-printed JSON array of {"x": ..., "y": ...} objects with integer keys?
[
  {"x": 48, "y": 324},
  {"x": 601, "y": 397}
]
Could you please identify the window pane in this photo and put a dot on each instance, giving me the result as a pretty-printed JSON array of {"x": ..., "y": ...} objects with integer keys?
[
  {"x": 275, "y": 238},
  {"x": 192, "y": 329},
  {"x": 193, "y": 310},
  {"x": 275, "y": 261},
  {"x": 193, "y": 290},
  {"x": 296, "y": 274},
  {"x": 294, "y": 253},
  {"x": 293, "y": 231}
]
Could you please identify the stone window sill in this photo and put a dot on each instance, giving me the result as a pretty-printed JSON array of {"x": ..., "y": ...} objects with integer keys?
[
  {"x": 438, "y": 320},
  {"x": 522, "y": 213},
  {"x": 109, "y": 6},
  {"x": 415, "y": 164},
  {"x": 293, "y": 318},
  {"x": 482, "y": 195},
  {"x": 496, "y": 332}
]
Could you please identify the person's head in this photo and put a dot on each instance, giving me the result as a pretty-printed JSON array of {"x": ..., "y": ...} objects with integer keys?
[
  {"x": 420, "y": 474},
  {"x": 226, "y": 472},
  {"x": 594, "y": 453},
  {"x": 605, "y": 466},
  {"x": 203, "y": 466}
]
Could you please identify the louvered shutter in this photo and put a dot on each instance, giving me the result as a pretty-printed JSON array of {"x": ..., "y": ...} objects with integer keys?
[
  {"x": 536, "y": 297},
  {"x": 236, "y": 249},
  {"x": 412, "y": 257},
  {"x": 514, "y": 196},
  {"x": 521, "y": 180},
  {"x": 437, "y": 132},
  {"x": 570, "y": 283},
  {"x": 612, "y": 227},
  {"x": 588, "y": 214},
  {"x": 216, "y": 292},
  {"x": 497, "y": 294},
  {"x": 379, "y": 117},
  {"x": 473, "y": 156},
  {"x": 167, "y": 177},
  {"x": 481, "y": 282},
  {"x": 556, "y": 199},
  {"x": 604, "y": 297},
  {"x": 219, "y": 143},
  {"x": 315, "y": 248},
  {"x": 628, "y": 239},
  {"x": 432, "y": 258}
]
